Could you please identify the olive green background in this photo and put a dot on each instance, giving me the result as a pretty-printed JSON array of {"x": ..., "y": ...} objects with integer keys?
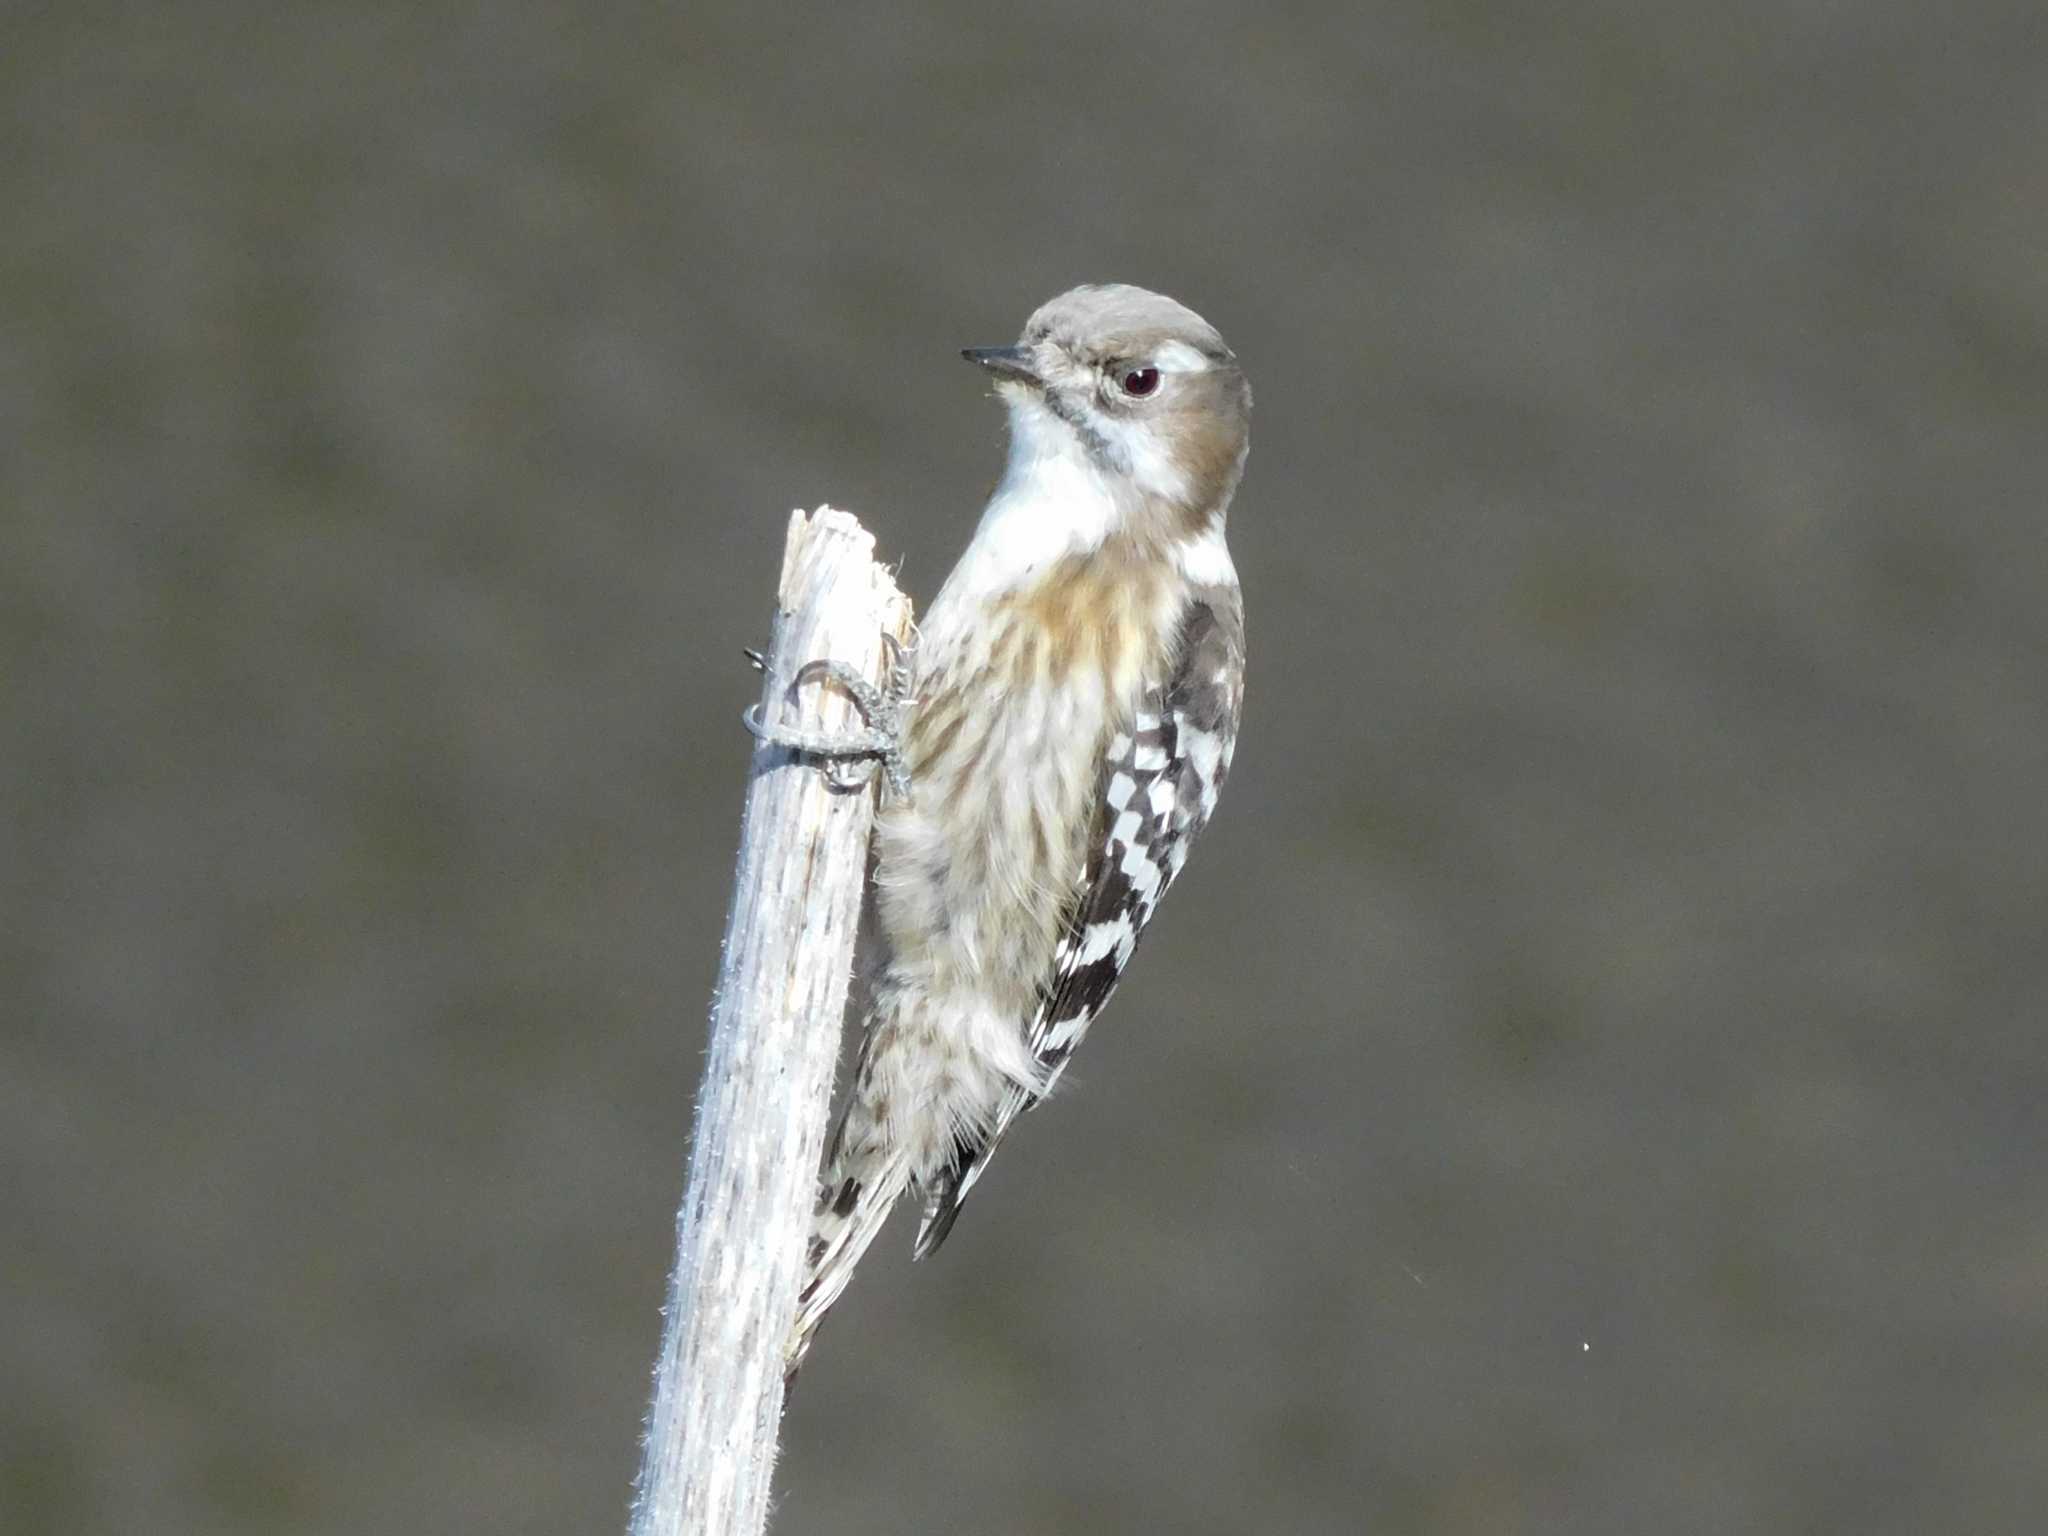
[{"x": 1591, "y": 1078}]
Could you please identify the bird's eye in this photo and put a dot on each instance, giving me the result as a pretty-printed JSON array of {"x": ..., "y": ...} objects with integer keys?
[{"x": 1140, "y": 381}]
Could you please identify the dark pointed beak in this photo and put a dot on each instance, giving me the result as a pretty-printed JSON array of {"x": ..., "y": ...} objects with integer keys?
[{"x": 1004, "y": 362}]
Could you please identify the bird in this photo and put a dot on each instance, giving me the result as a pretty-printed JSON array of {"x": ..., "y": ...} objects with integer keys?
[{"x": 1055, "y": 741}]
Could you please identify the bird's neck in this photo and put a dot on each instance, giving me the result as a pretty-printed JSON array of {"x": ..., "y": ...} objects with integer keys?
[{"x": 1058, "y": 503}]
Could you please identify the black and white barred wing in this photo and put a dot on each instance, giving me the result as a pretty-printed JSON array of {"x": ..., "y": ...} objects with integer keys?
[
  {"x": 1160, "y": 782},
  {"x": 1160, "y": 788}
]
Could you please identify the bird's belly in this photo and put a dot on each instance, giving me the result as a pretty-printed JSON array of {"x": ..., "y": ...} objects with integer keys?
[{"x": 977, "y": 871}]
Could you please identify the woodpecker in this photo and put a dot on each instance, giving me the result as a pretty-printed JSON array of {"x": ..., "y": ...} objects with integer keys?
[{"x": 1063, "y": 729}]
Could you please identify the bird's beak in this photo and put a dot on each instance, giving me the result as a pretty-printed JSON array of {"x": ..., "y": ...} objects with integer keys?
[{"x": 1005, "y": 362}]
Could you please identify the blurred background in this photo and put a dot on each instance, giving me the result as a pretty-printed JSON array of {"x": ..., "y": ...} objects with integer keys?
[{"x": 1591, "y": 1077}]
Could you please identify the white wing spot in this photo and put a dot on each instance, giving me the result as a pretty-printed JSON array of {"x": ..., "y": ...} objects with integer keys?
[
  {"x": 1138, "y": 868},
  {"x": 1068, "y": 1030},
  {"x": 1104, "y": 937},
  {"x": 1121, "y": 787}
]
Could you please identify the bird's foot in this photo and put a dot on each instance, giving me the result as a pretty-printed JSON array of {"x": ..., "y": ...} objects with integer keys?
[{"x": 850, "y": 760}]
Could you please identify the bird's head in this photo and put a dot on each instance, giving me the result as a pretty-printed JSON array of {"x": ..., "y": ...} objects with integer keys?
[{"x": 1139, "y": 389}]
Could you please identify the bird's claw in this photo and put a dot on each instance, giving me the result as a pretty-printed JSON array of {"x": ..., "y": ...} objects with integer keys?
[{"x": 850, "y": 760}]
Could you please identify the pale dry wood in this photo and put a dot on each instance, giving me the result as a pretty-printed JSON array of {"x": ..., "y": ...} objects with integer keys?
[{"x": 788, "y": 956}]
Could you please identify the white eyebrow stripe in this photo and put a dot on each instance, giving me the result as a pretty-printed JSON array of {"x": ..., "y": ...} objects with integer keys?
[{"x": 1179, "y": 357}]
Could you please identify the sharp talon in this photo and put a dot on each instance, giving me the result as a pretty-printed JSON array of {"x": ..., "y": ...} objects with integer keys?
[{"x": 844, "y": 775}]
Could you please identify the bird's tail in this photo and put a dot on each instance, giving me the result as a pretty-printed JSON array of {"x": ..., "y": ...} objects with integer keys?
[
  {"x": 973, "y": 1146},
  {"x": 854, "y": 1199}
]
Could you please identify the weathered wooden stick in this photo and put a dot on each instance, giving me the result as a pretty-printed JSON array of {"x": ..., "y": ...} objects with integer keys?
[{"x": 740, "y": 1234}]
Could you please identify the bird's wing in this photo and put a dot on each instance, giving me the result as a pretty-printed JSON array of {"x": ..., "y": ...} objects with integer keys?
[{"x": 1158, "y": 785}]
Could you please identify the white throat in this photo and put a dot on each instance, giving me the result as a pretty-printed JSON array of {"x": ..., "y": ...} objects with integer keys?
[{"x": 1053, "y": 501}]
